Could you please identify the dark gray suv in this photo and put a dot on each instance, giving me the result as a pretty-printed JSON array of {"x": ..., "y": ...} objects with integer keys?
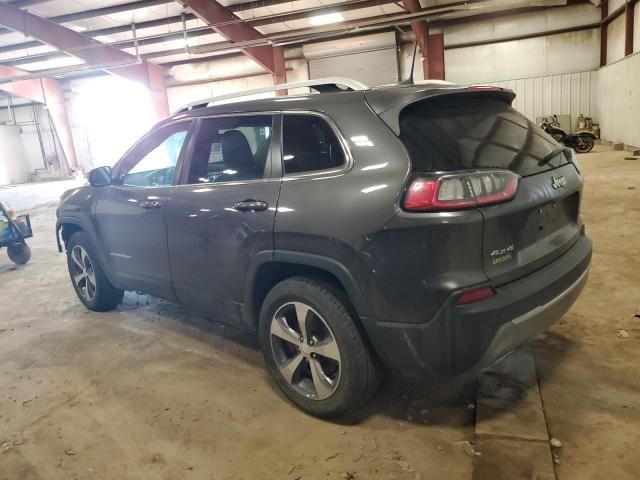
[{"x": 427, "y": 229}]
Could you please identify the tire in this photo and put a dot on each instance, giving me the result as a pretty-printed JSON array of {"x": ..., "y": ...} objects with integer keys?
[
  {"x": 19, "y": 254},
  {"x": 90, "y": 283},
  {"x": 585, "y": 144},
  {"x": 328, "y": 370}
]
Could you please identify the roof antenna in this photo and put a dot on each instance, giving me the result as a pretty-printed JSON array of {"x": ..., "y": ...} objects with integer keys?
[{"x": 409, "y": 81}]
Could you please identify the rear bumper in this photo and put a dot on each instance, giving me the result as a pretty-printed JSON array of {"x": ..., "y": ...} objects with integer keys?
[{"x": 463, "y": 338}]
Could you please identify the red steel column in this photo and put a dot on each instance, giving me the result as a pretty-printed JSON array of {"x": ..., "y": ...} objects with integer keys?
[
  {"x": 628, "y": 29},
  {"x": 436, "y": 56},
  {"x": 604, "y": 12}
]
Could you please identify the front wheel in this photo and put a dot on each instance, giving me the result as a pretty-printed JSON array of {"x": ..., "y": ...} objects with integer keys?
[
  {"x": 314, "y": 350},
  {"x": 584, "y": 144},
  {"x": 87, "y": 276},
  {"x": 19, "y": 254}
]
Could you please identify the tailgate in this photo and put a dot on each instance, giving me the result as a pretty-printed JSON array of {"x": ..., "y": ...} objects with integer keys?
[{"x": 537, "y": 226}]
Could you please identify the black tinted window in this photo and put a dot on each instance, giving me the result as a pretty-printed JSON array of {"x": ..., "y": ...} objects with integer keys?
[
  {"x": 231, "y": 149},
  {"x": 309, "y": 144},
  {"x": 462, "y": 133}
]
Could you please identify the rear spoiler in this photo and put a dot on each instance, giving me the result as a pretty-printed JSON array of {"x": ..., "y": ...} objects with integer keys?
[{"x": 388, "y": 103}]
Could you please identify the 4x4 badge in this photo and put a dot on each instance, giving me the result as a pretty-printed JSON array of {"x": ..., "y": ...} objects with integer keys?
[{"x": 558, "y": 182}]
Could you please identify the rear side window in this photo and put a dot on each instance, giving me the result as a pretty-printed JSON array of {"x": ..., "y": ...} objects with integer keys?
[
  {"x": 465, "y": 133},
  {"x": 309, "y": 144}
]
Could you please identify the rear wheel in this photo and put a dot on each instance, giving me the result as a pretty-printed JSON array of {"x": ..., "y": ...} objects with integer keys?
[
  {"x": 87, "y": 276},
  {"x": 314, "y": 350},
  {"x": 584, "y": 144},
  {"x": 19, "y": 254}
]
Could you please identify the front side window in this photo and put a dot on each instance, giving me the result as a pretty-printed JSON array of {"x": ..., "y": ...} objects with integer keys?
[
  {"x": 309, "y": 144},
  {"x": 231, "y": 149},
  {"x": 152, "y": 162}
]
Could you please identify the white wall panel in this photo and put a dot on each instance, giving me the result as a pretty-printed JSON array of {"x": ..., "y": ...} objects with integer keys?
[
  {"x": 568, "y": 94},
  {"x": 533, "y": 57},
  {"x": 615, "y": 39},
  {"x": 619, "y": 100},
  {"x": 522, "y": 24},
  {"x": 12, "y": 166}
]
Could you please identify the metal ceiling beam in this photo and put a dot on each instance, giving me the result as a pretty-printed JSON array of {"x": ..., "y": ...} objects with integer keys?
[
  {"x": 90, "y": 51},
  {"x": 231, "y": 27},
  {"x": 191, "y": 33},
  {"x": 49, "y": 92},
  {"x": 127, "y": 7}
]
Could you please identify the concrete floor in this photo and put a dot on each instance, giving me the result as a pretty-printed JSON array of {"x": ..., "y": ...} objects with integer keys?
[{"x": 150, "y": 391}]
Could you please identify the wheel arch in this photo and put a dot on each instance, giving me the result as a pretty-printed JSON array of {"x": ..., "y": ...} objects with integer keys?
[
  {"x": 268, "y": 268},
  {"x": 67, "y": 226},
  {"x": 64, "y": 229}
]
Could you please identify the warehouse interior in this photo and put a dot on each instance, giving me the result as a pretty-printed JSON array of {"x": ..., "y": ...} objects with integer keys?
[{"x": 154, "y": 390}]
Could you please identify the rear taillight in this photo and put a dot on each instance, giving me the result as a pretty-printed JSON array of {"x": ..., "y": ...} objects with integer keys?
[{"x": 460, "y": 190}]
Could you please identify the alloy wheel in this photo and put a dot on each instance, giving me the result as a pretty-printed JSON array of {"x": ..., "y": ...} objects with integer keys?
[
  {"x": 305, "y": 350},
  {"x": 82, "y": 273}
]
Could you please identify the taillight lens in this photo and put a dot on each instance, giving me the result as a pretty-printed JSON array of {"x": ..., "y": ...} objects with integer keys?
[
  {"x": 463, "y": 190},
  {"x": 471, "y": 296}
]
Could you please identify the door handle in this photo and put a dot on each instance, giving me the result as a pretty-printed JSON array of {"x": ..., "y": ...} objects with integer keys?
[
  {"x": 251, "y": 206},
  {"x": 149, "y": 204}
]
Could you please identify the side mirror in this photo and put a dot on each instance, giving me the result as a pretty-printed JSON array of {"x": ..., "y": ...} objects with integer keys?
[{"x": 100, "y": 177}]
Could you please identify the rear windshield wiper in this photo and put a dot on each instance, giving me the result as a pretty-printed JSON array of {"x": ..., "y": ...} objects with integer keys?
[{"x": 547, "y": 158}]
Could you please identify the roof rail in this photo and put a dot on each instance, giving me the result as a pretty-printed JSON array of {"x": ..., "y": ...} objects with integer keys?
[{"x": 322, "y": 85}]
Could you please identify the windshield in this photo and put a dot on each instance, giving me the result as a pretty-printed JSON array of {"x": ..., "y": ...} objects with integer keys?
[{"x": 468, "y": 132}]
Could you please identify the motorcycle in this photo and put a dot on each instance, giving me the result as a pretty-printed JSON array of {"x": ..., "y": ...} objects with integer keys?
[{"x": 581, "y": 142}]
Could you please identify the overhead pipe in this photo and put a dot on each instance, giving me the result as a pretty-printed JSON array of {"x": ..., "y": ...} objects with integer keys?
[{"x": 10, "y": 109}]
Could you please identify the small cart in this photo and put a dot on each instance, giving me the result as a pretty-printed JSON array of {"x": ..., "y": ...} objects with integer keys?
[{"x": 14, "y": 230}]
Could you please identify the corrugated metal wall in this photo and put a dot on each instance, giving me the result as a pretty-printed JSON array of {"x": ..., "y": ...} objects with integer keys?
[
  {"x": 619, "y": 100},
  {"x": 567, "y": 94}
]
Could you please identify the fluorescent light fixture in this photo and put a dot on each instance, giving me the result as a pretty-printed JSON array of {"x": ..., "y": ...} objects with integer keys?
[
  {"x": 326, "y": 19},
  {"x": 78, "y": 28}
]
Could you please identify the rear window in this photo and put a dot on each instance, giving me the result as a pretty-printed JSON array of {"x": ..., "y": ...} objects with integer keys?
[{"x": 465, "y": 133}]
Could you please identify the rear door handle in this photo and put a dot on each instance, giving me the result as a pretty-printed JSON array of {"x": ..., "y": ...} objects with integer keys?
[
  {"x": 149, "y": 204},
  {"x": 251, "y": 206}
]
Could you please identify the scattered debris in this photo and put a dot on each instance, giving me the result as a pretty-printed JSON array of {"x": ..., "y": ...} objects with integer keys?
[
  {"x": 623, "y": 333},
  {"x": 70, "y": 452},
  {"x": 439, "y": 448},
  {"x": 555, "y": 443},
  {"x": 9, "y": 445},
  {"x": 556, "y": 459},
  {"x": 189, "y": 467},
  {"x": 291, "y": 468},
  {"x": 631, "y": 158},
  {"x": 404, "y": 465},
  {"x": 468, "y": 448},
  {"x": 349, "y": 475},
  {"x": 332, "y": 456},
  {"x": 637, "y": 315},
  {"x": 631, "y": 188},
  {"x": 374, "y": 445},
  {"x": 471, "y": 406}
]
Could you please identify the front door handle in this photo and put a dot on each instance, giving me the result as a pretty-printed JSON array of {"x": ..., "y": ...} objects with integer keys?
[
  {"x": 149, "y": 204},
  {"x": 251, "y": 206}
]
